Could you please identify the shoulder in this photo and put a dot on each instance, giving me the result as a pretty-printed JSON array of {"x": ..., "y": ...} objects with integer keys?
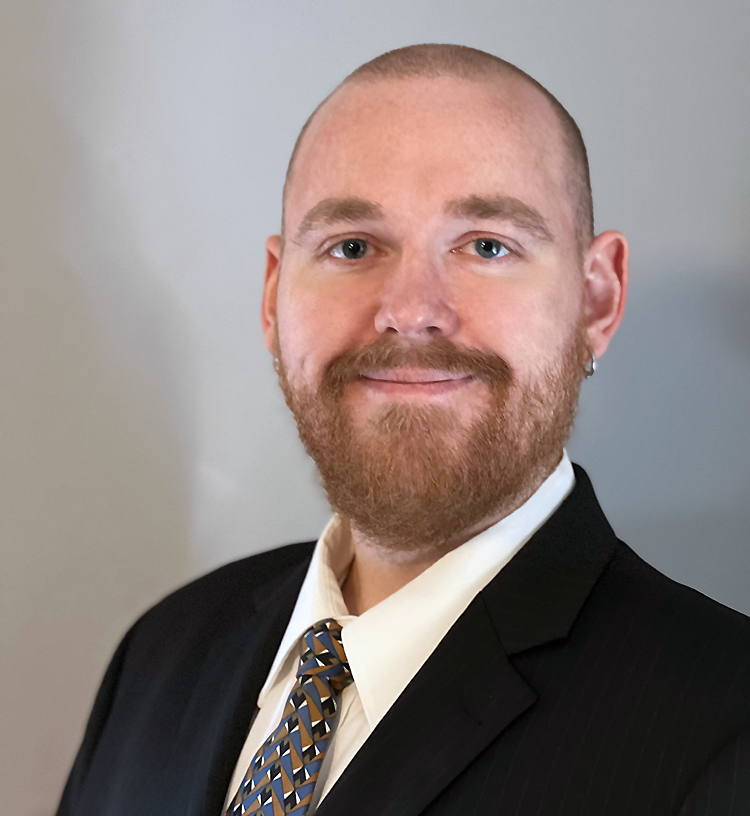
[
  {"x": 228, "y": 593},
  {"x": 684, "y": 627},
  {"x": 245, "y": 574},
  {"x": 673, "y": 597}
]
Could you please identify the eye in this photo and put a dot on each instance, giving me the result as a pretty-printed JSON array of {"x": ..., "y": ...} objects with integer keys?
[
  {"x": 352, "y": 249},
  {"x": 489, "y": 248}
]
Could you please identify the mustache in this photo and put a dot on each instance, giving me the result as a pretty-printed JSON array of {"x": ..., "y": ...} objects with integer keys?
[{"x": 439, "y": 354}]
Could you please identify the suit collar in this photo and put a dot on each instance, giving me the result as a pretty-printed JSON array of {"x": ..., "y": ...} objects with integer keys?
[
  {"x": 539, "y": 594},
  {"x": 468, "y": 692}
]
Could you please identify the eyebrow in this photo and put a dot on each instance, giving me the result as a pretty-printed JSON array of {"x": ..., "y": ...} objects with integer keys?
[
  {"x": 497, "y": 208},
  {"x": 502, "y": 208},
  {"x": 334, "y": 211}
]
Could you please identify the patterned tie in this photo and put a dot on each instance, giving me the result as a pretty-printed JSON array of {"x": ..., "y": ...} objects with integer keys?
[{"x": 283, "y": 773}]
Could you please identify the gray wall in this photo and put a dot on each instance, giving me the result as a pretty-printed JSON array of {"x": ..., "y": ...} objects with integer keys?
[{"x": 142, "y": 438}]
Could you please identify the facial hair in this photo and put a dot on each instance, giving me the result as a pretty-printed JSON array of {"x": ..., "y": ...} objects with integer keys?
[{"x": 413, "y": 479}]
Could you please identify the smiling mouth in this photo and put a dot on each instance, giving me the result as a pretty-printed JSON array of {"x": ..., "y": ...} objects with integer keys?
[
  {"x": 415, "y": 382},
  {"x": 416, "y": 376}
]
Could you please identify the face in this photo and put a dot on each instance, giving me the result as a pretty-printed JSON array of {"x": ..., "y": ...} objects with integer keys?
[{"x": 428, "y": 308}]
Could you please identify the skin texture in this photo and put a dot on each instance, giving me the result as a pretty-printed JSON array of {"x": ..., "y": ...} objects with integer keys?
[{"x": 419, "y": 469}]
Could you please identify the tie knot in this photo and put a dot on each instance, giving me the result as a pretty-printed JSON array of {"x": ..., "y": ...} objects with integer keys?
[{"x": 324, "y": 657}]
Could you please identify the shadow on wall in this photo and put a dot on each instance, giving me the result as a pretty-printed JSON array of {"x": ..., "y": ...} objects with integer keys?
[
  {"x": 93, "y": 484},
  {"x": 673, "y": 400}
]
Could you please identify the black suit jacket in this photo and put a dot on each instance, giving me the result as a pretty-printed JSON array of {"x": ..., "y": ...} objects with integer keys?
[{"x": 580, "y": 681}]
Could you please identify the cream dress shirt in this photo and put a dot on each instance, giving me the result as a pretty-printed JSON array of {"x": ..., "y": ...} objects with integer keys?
[{"x": 383, "y": 654}]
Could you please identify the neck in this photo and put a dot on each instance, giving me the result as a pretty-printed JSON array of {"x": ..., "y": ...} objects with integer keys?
[{"x": 378, "y": 569}]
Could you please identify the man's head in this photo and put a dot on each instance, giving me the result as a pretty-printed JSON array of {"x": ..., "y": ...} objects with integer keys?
[{"x": 437, "y": 226}]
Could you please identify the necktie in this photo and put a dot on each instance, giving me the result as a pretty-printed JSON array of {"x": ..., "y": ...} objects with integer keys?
[{"x": 283, "y": 773}]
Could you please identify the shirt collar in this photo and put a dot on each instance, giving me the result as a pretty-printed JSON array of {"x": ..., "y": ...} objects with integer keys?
[
  {"x": 382, "y": 654},
  {"x": 320, "y": 595}
]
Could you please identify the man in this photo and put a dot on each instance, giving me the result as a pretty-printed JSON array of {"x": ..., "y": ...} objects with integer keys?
[{"x": 468, "y": 636}]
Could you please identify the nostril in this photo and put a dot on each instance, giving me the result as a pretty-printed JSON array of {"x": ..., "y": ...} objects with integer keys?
[{"x": 419, "y": 319}]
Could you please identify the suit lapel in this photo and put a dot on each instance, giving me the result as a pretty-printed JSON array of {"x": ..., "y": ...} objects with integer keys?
[
  {"x": 464, "y": 695},
  {"x": 468, "y": 692},
  {"x": 536, "y": 598}
]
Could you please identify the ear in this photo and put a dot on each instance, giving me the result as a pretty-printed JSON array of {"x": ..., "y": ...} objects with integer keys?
[
  {"x": 270, "y": 290},
  {"x": 605, "y": 287}
]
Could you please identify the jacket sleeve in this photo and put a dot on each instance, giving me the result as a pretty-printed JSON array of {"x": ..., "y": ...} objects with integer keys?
[
  {"x": 724, "y": 787},
  {"x": 102, "y": 704}
]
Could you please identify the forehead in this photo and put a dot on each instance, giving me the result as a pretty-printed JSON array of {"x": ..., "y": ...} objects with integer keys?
[{"x": 412, "y": 144}]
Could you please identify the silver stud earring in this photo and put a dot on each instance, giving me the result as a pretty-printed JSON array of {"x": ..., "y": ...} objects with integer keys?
[{"x": 591, "y": 365}]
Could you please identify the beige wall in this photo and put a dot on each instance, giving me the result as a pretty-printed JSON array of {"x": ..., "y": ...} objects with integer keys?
[{"x": 142, "y": 439}]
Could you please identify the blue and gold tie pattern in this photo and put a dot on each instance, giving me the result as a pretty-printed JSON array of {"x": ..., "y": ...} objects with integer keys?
[{"x": 283, "y": 773}]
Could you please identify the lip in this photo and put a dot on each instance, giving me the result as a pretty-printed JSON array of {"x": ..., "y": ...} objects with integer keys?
[
  {"x": 411, "y": 383},
  {"x": 415, "y": 376}
]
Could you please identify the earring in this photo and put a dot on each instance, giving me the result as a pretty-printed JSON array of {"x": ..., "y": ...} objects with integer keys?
[{"x": 590, "y": 365}]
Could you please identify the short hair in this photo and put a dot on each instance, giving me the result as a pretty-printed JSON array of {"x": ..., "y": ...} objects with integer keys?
[{"x": 436, "y": 60}]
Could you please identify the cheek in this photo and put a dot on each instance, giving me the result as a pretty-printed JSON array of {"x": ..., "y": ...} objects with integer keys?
[
  {"x": 299, "y": 336},
  {"x": 500, "y": 317},
  {"x": 312, "y": 331},
  {"x": 526, "y": 327}
]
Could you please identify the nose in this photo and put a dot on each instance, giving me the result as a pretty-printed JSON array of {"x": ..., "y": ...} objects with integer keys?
[{"x": 414, "y": 302}]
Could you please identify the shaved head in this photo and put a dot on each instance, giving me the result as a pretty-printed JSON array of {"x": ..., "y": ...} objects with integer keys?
[{"x": 461, "y": 62}]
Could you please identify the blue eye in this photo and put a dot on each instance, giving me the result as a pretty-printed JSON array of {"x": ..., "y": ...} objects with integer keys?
[
  {"x": 490, "y": 248},
  {"x": 352, "y": 249}
]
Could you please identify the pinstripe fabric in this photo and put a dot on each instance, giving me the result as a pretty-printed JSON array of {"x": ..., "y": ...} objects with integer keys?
[
  {"x": 579, "y": 682},
  {"x": 725, "y": 787},
  {"x": 629, "y": 711}
]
